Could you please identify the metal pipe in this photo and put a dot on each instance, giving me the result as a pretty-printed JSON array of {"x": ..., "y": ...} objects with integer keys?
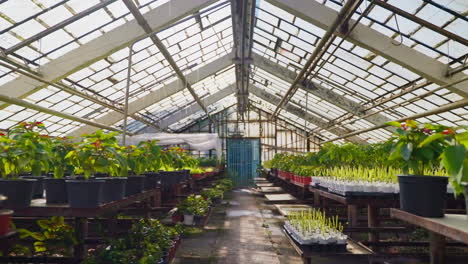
[
  {"x": 20, "y": 102},
  {"x": 315, "y": 55},
  {"x": 422, "y": 22},
  {"x": 58, "y": 26},
  {"x": 127, "y": 90},
  {"x": 445, "y": 108}
]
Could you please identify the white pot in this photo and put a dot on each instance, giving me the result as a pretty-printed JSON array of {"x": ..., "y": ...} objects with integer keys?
[{"x": 188, "y": 219}]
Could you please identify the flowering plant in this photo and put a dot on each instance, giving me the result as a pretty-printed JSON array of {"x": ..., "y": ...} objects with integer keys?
[
  {"x": 60, "y": 148},
  {"x": 455, "y": 155},
  {"x": 409, "y": 150},
  {"x": 97, "y": 153},
  {"x": 31, "y": 148}
]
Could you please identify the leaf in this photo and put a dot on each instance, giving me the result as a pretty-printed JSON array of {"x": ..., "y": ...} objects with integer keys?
[
  {"x": 411, "y": 123},
  {"x": 430, "y": 139},
  {"x": 406, "y": 150},
  {"x": 453, "y": 158},
  {"x": 393, "y": 123}
]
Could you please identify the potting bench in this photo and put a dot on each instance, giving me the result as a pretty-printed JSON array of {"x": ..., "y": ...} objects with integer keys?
[
  {"x": 454, "y": 226},
  {"x": 39, "y": 208},
  {"x": 354, "y": 250},
  {"x": 373, "y": 204}
]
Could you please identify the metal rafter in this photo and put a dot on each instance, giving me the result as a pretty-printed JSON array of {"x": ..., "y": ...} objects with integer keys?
[
  {"x": 147, "y": 28},
  {"x": 318, "y": 90},
  {"x": 243, "y": 16},
  {"x": 102, "y": 46},
  {"x": 23, "y": 103},
  {"x": 191, "y": 109},
  {"x": 368, "y": 38},
  {"x": 73, "y": 91},
  {"x": 422, "y": 22},
  {"x": 58, "y": 26},
  {"x": 345, "y": 13},
  {"x": 158, "y": 95},
  {"x": 297, "y": 111}
]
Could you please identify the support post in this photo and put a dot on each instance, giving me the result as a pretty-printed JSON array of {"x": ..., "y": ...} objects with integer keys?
[
  {"x": 353, "y": 214},
  {"x": 437, "y": 248},
  {"x": 372, "y": 221},
  {"x": 81, "y": 232}
]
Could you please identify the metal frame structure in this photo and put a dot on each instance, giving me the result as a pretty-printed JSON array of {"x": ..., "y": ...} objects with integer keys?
[{"x": 336, "y": 70}]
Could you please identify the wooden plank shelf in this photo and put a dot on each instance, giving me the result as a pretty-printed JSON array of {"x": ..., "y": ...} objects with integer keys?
[
  {"x": 452, "y": 226},
  {"x": 40, "y": 208}
]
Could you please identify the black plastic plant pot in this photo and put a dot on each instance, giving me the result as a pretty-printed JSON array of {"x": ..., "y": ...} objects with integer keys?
[
  {"x": 135, "y": 185},
  {"x": 465, "y": 192},
  {"x": 19, "y": 192},
  {"x": 152, "y": 180},
  {"x": 113, "y": 188},
  {"x": 56, "y": 191},
  {"x": 38, "y": 191},
  {"x": 84, "y": 193},
  {"x": 423, "y": 195}
]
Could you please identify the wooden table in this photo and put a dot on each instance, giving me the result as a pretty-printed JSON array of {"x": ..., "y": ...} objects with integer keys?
[{"x": 453, "y": 226}]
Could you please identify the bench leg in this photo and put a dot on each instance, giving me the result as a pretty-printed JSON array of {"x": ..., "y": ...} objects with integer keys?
[{"x": 437, "y": 248}]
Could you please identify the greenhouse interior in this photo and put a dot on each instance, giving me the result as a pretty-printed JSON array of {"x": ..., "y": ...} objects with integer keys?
[{"x": 234, "y": 131}]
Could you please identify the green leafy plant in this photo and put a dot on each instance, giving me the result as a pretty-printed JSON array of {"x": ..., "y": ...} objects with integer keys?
[
  {"x": 33, "y": 149},
  {"x": 54, "y": 237},
  {"x": 60, "y": 147},
  {"x": 8, "y": 159},
  {"x": 213, "y": 193},
  {"x": 413, "y": 156},
  {"x": 143, "y": 244},
  {"x": 194, "y": 205},
  {"x": 455, "y": 155},
  {"x": 150, "y": 155},
  {"x": 97, "y": 153}
]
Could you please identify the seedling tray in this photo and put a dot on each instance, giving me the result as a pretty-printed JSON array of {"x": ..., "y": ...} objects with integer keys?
[{"x": 328, "y": 248}]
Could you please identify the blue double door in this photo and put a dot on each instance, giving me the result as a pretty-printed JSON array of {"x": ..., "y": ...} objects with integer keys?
[{"x": 243, "y": 159}]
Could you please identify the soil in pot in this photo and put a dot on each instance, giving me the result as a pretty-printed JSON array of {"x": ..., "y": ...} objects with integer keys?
[
  {"x": 56, "y": 191},
  {"x": 5, "y": 221},
  {"x": 84, "y": 193},
  {"x": 113, "y": 188},
  {"x": 38, "y": 191},
  {"x": 423, "y": 195},
  {"x": 19, "y": 192},
  {"x": 135, "y": 185}
]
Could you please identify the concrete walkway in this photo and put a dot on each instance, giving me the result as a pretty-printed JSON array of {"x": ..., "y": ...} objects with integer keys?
[{"x": 243, "y": 231}]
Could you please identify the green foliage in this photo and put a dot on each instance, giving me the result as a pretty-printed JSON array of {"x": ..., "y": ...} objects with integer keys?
[
  {"x": 29, "y": 149},
  {"x": 208, "y": 162},
  {"x": 54, "y": 237},
  {"x": 143, "y": 244},
  {"x": 60, "y": 148},
  {"x": 412, "y": 149},
  {"x": 454, "y": 157},
  {"x": 313, "y": 220},
  {"x": 213, "y": 193},
  {"x": 98, "y": 153},
  {"x": 149, "y": 157},
  {"x": 194, "y": 205},
  {"x": 224, "y": 184},
  {"x": 176, "y": 158}
]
